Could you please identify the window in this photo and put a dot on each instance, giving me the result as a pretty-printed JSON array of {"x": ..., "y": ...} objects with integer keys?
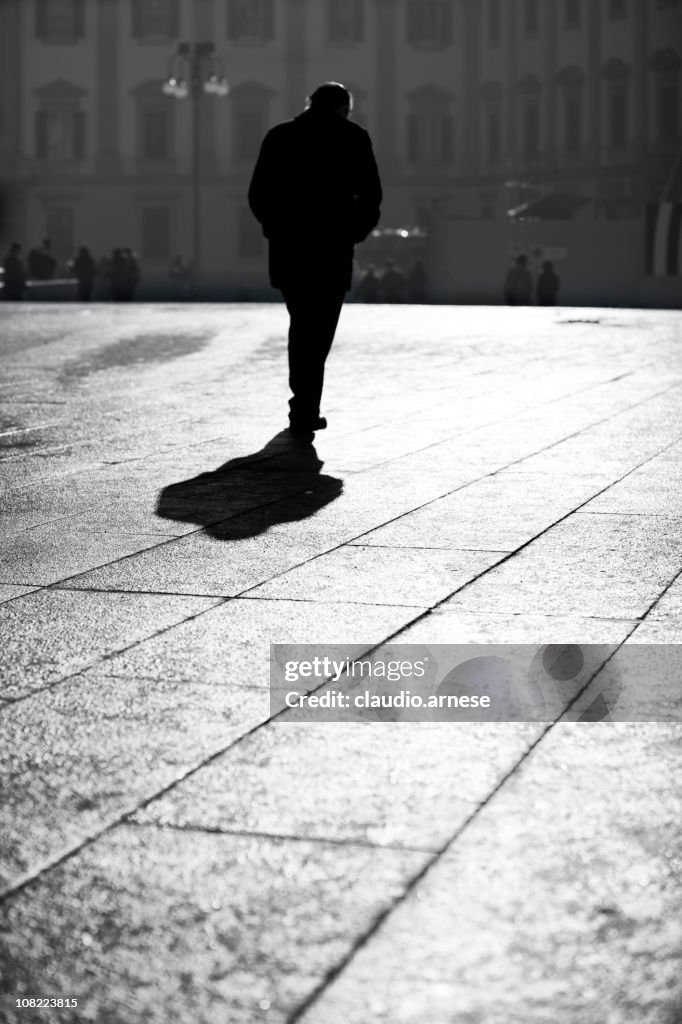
[
  {"x": 250, "y": 20},
  {"x": 494, "y": 19},
  {"x": 60, "y": 20},
  {"x": 429, "y": 23},
  {"x": 60, "y": 125},
  {"x": 666, "y": 65},
  {"x": 430, "y": 138},
  {"x": 531, "y": 130},
  {"x": 494, "y": 136},
  {"x": 572, "y": 13},
  {"x": 617, "y": 9},
  {"x": 531, "y": 17},
  {"x": 667, "y": 111},
  {"x": 60, "y": 135},
  {"x": 59, "y": 228},
  {"x": 572, "y": 121},
  {"x": 155, "y": 123},
  {"x": 249, "y": 134},
  {"x": 345, "y": 21},
  {"x": 618, "y": 119},
  {"x": 250, "y": 119},
  {"x": 156, "y": 233},
  {"x": 155, "y": 134},
  {"x": 249, "y": 236},
  {"x": 156, "y": 19}
]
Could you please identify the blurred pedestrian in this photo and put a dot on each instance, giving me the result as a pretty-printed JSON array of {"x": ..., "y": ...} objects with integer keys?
[
  {"x": 84, "y": 271},
  {"x": 14, "y": 274},
  {"x": 117, "y": 275},
  {"x": 131, "y": 275},
  {"x": 393, "y": 283},
  {"x": 518, "y": 284},
  {"x": 180, "y": 274},
  {"x": 41, "y": 262},
  {"x": 548, "y": 285},
  {"x": 368, "y": 289},
  {"x": 316, "y": 192},
  {"x": 416, "y": 283}
]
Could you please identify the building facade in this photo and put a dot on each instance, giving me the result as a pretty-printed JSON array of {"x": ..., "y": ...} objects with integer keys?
[{"x": 462, "y": 98}]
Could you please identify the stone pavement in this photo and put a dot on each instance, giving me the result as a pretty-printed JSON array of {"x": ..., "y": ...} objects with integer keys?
[{"x": 169, "y": 854}]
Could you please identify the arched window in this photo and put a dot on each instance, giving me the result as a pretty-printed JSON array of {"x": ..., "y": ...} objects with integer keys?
[
  {"x": 60, "y": 124},
  {"x": 530, "y": 89},
  {"x": 155, "y": 117}
]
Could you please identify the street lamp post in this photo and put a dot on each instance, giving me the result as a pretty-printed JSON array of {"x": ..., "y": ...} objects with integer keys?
[{"x": 195, "y": 70}]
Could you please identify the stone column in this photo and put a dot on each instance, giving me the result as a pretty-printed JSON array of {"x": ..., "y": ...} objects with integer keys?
[
  {"x": 12, "y": 97},
  {"x": 295, "y": 47},
  {"x": 203, "y": 31},
  {"x": 641, "y": 80},
  {"x": 469, "y": 54},
  {"x": 511, "y": 43},
  {"x": 594, "y": 83},
  {"x": 385, "y": 85},
  {"x": 551, "y": 85},
  {"x": 108, "y": 155}
]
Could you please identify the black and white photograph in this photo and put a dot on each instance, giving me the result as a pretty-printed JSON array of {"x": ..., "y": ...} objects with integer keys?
[{"x": 341, "y": 511}]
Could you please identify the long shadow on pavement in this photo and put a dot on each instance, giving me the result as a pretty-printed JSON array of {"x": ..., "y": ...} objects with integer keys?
[{"x": 280, "y": 483}]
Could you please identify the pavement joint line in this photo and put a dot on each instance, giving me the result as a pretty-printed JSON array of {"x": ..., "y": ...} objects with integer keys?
[
  {"x": 383, "y": 915},
  {"x": 245, "y": 594},
  {"x": 570, "y": 394},
  {"x": 365, "y": 844}
]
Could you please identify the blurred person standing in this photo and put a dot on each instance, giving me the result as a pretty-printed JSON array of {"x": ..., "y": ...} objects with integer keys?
[
  {"x": 85, "y": 271},
  {"x": 518, "y": 284},
  {"x": 316, "y": 192},
  {"x": 548, "y": 285},
  {"x": 14, "y": 275},
  {"x": 393, "y": 283}
]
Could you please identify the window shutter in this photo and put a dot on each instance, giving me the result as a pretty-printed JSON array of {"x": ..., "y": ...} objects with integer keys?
[
  {"x": 79, "y": 19},
  {"x": 234, "y": 19},
  {"x": 79, "y": 139},
  {"x": 412, "y": 20},
  {"x": 41, "y": 18},
  {"x": 136, "y": 18},
  {"x": 447, "y": 146},
  {"x": 412, "y": 139},
  {"x": 268, "y": 19},
  {"x": 358, "y": 21},
  {"x": 41, "y": 135},
  {"x": 446, "y": 24},
  {"x": 174, "y": 25}
]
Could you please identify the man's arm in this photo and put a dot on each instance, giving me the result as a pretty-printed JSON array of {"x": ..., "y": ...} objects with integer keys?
[
  {"x": 369, "y": 193},
  {"x": 260, "y": 189}
]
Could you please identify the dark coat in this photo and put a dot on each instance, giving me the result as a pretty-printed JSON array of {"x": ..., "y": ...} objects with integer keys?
[
  {"x": 316, "y": 192},
  {"x": 14, "y": 278}
]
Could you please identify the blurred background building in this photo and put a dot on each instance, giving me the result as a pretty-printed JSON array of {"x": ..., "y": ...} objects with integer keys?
[{"x": 475, "y": 107}]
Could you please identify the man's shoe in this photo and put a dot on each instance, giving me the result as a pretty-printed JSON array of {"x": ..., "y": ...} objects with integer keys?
[{"x": 307, "y": 426}]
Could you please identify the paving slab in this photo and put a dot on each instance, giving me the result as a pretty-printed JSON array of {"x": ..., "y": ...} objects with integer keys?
[
  {"x": 99, "y": 746},
  {"x": 8, "y": 592},
  {"x": 595, "y": 565},
  {"x": 451, "y": 624},
  {"x": 498, "y": 513},
  {"x": 51, "y": 634},
  {"x": 390, "y": 784},
  {"x": 378, "y": 576},
  {"x": 50, "y": 553},
  {"x": 171, "y": 924},
  {"x": 230, "y": 644},
  {"x": 552, "y": 914}
]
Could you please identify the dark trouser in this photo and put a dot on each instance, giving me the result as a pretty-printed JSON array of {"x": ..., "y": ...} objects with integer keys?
[
  {"x": 85, "y": 289},
  {"x": 314, "y": 318}
]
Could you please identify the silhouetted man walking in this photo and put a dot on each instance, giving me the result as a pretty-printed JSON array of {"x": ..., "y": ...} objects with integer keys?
[{"x": 316, "y": 192}]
